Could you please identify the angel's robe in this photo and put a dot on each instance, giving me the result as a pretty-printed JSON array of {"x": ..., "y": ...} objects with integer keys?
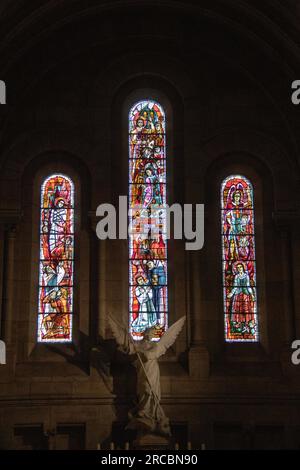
[
  {"x": 148, "y": 412},
  {"x": 145, "y": 391}
]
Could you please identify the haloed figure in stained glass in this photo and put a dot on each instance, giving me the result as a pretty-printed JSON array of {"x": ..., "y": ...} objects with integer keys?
[
  {"x": 237, "y": 220},
  {"x": 239, "y": 263},
  {"x": 152, "y": 190},
  {"x": 242, "y": 301},
  {"x": 147, "y": 201},
  {"x": 57, "y": 222},
  {"x": 56, "y": 260}
]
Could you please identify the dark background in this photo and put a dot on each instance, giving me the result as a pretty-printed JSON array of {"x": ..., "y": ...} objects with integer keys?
[{"x": 223, "y": 72}]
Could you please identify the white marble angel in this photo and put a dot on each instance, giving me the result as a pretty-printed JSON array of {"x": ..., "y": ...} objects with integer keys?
[{"x": 148, "y": 415}]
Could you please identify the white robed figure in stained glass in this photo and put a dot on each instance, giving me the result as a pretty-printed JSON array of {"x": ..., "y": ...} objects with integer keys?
[
  {"x": 148, "y": 289},
  {"x": 239, "y": 261},
  {"x": 146, "y": 314}
]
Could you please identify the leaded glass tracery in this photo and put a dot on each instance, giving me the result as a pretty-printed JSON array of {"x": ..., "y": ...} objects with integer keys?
[
  {"x": 56, "y": 271},
  {"x": 239, "y": 262},
  {"x": 148, "y": 290}
]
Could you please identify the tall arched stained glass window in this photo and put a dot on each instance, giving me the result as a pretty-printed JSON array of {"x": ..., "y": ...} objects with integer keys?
[
  {"x": 148, "y": 290},
  {"x": 56, "y": 269},
  {"x": 239, "y": 264}
]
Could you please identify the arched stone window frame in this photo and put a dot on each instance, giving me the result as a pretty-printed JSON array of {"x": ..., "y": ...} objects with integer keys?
[
  {"x": 35, "y": 173},
  {"x": 254, "y": 170},
  {"x": 161, "y": 91}
]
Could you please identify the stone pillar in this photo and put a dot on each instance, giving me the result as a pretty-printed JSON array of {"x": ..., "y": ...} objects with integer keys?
[
  {"x": 295, "y": 262},
  {"x": 287, "y": 280},
  {"x": 198, "y": 353},
  {"x": 51, "y": 439},
  {"x": 9, "y": 283},
  {"x": 285, "y": 222},
  {"x": 9, "y": 220},
  {"x": 97, "y": 283},
  {"x": 100, "y": 255},
  {"x": 102, "y": 287},
  {"x": 2, "y": 251}
]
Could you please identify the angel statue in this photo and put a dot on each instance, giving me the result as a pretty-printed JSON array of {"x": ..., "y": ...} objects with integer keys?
[{"x": 148, "y": 415}]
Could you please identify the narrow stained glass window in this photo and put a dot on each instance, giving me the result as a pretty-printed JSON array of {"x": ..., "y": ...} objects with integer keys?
[
  {"x": 56, "y": 260},
  {"x": 239, "y": 263},
  {"x": 148, "y": 291}
]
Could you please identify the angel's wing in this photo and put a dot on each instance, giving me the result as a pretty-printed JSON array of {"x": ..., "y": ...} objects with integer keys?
[
  {"x": 169, "y": 337},
  {"x": 121, "y": 335},
  {"x": 2, "y": 353}
]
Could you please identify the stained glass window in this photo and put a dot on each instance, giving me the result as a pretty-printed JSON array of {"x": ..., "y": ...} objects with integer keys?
[
  {"x": 239, "y": 264},
  {"x": 148, "y": 288},
  {"x": 56, "y": 260}
]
